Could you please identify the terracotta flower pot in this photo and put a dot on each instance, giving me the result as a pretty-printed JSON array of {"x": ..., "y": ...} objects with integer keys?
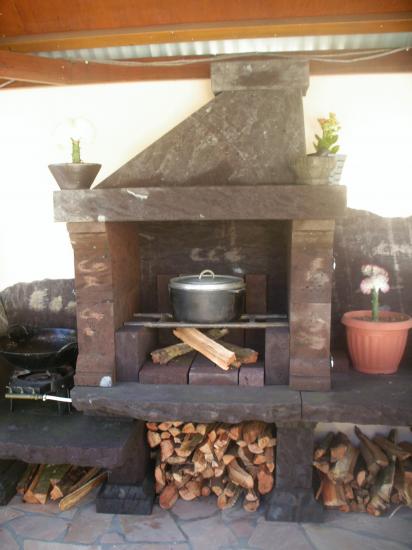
[{"x": 376, "y": 347}]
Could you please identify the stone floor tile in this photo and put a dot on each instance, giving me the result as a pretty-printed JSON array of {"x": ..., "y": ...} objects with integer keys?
[
  {"x": 51, "y": 508},
  {"x": 87, "y": 526},
  {"x": 324, "y": 538},
  {"x": 145, "y": 546},
  {"x": 397, "y": 528},
  {"x": 111, "y": 538},
  {"x": 38, "y": 527},
  {"x": 237, "y": 512},
  {"x": 242, "y": 528},
  {"x": 280, "y": 536},
  {"x": 7, "y": 513},
  {"x": 7, "y": 541},
  {"x": 159, "y": 527},
  {"x": 41, "y": 545},
  {"x": 205, "y": 534},
  {"x": 198, "y": 509}
]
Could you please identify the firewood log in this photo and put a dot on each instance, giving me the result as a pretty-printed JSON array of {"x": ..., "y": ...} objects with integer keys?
[
  {"x": 323, "y": 447},
  {"x": 191, "y": 490},
  {"x": 339, "y": 446},
  {"x": 380, "y": 457},
  {"x": 164, "y": 355},
  {"x": 255, "y": 449},
  {"x": 390, "y": 448},
  {"x": 190, "y": 442},
  {"x": 163, "y": 426},
  {"x": 251, "y": 495},
  {"x": 29, "y": 494},
  {"x": 176, "y": 459},
  {"x": 333, "y": 495},
  {"x": 245, "y": 456},
  {"x": 75, "y": 496},
  {"x": 406, "y": 446},
  {"x": 217, "y": 485},
  {"x": 218, "y": 354},
  {"x": 166, "y": 449},
  {"x": 244, "y": 356},
  {"x": 152, "y": 426},
  {"x": 71, "y": 478},
  {"x": 322, "y": 465},
  {"x": 189, "y": 428},
  {"x": 265, "y": 480},
  {"x": 230, "y": 489},
  {"x": 27, "y": 478},
  {"x": 239, "y": 476},
  {"x": 235, "y": 432},
  {"x": 224, "y": 502},
  {"x": 252, "y": 430},
  {"x": 153, "y": 438},
  {"x": 206, "y": 491},
  {"x": 342, "y": 469},
  {"x": 168, "y": 496}
]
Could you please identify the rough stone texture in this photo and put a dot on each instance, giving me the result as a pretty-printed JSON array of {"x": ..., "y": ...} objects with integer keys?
[
  {"x": 107, "y": 275},
  {"x": 39, "y": 527},
  {"x": 206, "y": 532},
  {"x": 45, "y": 303},
  {"x": 363, "y": 399},
  {"x": 325, "y": 538},
  {"x": 75, "y": 439},
  {"x": 7, "y": 541},
  {"x": 133, "y": 345},
  {"x": 294, "y": 450},
  {"x": 259, "y": 75},
  {"x": 205, "y": 373},
  {"x": 237, "y": 138},
  {"x": 280, "y": 536},
  {"x": 295, "y": 505},
  {"x": 86, "y": 527},
  {"x": 252, "y": 375},
  {"x": 310, "y": 288},
  {"x": 277, "y": 356},
  {"x": 191, "y": 403},
  {"x": 159, "y": 527},
  {"x": 211, "y": 202}
]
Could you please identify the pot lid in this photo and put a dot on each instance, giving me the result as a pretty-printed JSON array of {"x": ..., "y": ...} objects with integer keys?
[{"x": 207, "y": 280}]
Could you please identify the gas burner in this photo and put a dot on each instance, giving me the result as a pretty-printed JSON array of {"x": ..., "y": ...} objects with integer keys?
[{"x": 57, "y": 381}]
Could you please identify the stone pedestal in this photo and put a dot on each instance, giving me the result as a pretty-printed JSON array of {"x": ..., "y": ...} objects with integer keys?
[{"x": 292, "y": 498}]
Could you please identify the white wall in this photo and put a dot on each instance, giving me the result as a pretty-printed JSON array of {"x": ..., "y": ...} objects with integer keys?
[{"x": 375, "y": 113}]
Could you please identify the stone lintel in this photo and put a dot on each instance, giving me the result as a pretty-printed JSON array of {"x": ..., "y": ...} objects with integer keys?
[{"x": 267, "y": 74}]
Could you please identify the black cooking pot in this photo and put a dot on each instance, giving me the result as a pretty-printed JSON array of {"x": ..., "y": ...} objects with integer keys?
[
  {"x": 39, "y": 348},
  {"x": 207, "y": 298}
]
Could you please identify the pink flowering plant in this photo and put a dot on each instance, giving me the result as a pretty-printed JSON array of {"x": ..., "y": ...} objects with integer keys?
[{"x": 377, "y": 279}]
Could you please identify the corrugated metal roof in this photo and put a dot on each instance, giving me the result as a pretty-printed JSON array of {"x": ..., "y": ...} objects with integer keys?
[{"x": 255, "y": 45}]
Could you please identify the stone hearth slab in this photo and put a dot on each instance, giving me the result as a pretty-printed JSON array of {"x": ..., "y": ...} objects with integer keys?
[
  {"x": 363, "y": 399},
  {"x": 46, "y": 438},
  {"x": 191, "y": 403}
]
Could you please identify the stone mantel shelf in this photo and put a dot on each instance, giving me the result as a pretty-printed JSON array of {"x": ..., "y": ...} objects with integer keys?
[{"x": 174, "y": 203}]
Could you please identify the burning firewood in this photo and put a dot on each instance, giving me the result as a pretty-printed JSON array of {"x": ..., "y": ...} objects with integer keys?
[{"x": 230, "y": 461}]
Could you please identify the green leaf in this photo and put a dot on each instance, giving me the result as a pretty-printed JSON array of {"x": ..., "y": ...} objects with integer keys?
[{"x": 335, "y": 149}]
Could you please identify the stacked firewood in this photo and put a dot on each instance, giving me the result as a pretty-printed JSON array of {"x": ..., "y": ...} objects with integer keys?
[
  {"x": 223, "y": 355},
  {"x": 364, "y": 479},
  {"x": 232, "y": 461},
  {"x": 62, "y": 482}
]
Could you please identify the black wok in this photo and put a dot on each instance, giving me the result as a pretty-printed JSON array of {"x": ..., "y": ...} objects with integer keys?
[{"x": 39, "y": 348}]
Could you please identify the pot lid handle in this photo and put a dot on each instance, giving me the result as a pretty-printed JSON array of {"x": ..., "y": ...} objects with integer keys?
[{"x": 208, "y": 272}]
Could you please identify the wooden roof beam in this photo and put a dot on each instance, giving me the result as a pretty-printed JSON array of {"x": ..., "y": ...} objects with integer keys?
[
  {"x": 24, "y": 68},
  {"x": 365, "y": 24}
]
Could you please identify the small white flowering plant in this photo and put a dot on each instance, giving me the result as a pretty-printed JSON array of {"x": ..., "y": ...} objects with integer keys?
[{"x": 376, "y": 280}]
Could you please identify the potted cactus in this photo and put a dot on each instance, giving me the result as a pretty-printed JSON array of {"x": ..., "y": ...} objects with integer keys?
[
  {"x": 376, "y": 339},
  {"x": 322, "y": 167},
  {"x": 76, "y": 174}
]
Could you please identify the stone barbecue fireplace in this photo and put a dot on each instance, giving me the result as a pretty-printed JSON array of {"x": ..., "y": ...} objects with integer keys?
[{"x": 216, "y": 192}]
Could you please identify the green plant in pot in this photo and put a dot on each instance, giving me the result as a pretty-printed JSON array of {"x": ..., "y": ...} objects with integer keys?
[
  {"x": 320, "y": 167},
  {"x": 76, "y": 174},
  {"x": 376, "y": 339}
]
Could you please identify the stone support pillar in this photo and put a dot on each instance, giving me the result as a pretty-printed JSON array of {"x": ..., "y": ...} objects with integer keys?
[
  {"x": 106, "y": 259},
  {"x": 310, "y": 294}
]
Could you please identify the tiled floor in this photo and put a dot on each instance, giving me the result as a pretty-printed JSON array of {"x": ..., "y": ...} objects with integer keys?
[{"x": 196, "y": 526}]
